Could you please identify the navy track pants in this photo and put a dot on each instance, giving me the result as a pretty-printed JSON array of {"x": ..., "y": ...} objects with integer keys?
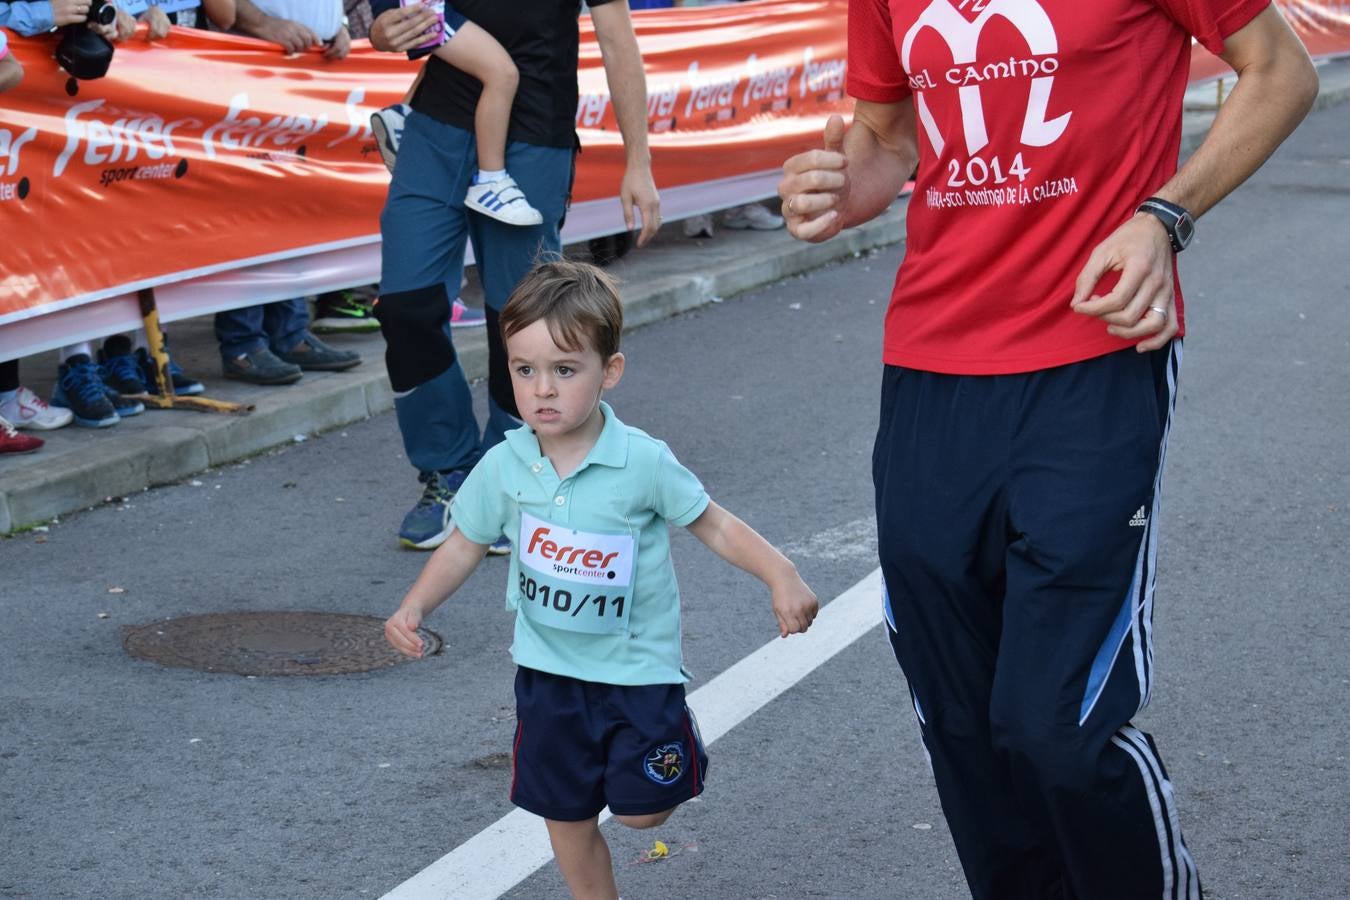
[{"x": 1017, "y": 521}]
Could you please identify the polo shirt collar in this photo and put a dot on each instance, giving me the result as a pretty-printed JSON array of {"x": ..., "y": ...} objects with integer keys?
[{"x": 611, "y": 448}]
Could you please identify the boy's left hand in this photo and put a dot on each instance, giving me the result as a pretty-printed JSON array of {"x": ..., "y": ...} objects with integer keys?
[{"x": 795, "y": 606}]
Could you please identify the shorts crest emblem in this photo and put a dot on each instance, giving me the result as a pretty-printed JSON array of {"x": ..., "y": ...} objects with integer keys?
[{"x": 664, "y": 764}]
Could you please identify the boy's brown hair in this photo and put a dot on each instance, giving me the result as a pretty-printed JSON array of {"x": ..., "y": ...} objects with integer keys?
[{"x": 578, "y": 301}]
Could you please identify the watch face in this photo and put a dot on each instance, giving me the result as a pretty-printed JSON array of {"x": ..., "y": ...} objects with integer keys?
[{"x": 1184, "y": 230}]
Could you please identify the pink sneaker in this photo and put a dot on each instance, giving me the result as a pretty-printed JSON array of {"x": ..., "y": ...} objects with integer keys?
[{"x": 464, "y": 316}]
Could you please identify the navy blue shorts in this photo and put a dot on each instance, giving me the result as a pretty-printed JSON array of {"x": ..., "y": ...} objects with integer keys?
[{"x": 581, "y": 746}]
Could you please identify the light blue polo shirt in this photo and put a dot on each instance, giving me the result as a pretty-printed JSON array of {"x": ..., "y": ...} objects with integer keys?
[{"x": 591, "y": 582}]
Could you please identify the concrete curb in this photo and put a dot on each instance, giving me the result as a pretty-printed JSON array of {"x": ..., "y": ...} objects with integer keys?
[{"x": 80, "y": 471}]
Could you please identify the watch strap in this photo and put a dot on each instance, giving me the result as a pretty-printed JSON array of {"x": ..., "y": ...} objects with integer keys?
[{"x": 1178, "y": 221}]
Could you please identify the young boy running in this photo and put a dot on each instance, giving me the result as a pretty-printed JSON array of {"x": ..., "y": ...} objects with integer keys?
[
  {"x": 600, "y": 684},
  {"x": 470, "y": 49}
]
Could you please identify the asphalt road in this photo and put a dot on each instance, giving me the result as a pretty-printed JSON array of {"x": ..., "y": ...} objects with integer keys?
[{"x": 119, "y": 778}]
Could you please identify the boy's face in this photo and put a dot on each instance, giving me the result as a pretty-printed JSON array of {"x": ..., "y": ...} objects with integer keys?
[{"x": 558, "y": 390}]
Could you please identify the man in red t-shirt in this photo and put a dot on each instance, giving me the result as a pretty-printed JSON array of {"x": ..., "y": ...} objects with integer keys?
[{"x": 1031, "y": 350}]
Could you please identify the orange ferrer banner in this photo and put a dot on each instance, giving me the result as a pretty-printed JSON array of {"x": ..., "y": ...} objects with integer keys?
[
  {"x": 222, "y": 173},
  {"x": 206, "y": 153}
]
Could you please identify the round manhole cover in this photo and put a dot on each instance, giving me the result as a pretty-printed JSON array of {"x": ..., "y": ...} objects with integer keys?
[{"x": 271, "y": 643}]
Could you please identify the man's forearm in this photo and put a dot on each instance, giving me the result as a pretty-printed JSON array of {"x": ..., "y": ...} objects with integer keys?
[
  {"x": 626, "y": 78},
  {"x": 882, "y": 150},
  {"x": 1275, "y": 89},
  {"x": 248, "y": 18}
]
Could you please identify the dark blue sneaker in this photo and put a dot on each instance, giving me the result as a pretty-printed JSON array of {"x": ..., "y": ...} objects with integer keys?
[
  {"x": 427, "y": 525},
  {"x": 80, "y": 389},
  {"x": 118, "y": 368},
  {"x": 183, "y": 386},
  {"x": 500, "y": 547},
  {"x": 124, "y": 406}
]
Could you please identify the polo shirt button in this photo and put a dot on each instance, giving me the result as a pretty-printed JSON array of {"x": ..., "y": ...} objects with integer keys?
[
  {"x": 537, "y": 467},
  {"x": 559, "y": 500}
]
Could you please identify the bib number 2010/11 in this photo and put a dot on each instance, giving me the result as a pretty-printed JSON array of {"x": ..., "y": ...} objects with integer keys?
[{"x": 561, "y": 600}]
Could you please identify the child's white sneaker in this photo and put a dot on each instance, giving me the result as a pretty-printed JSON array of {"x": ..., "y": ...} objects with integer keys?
[
  {"x": 387, "y": 126},
  {"x": 503, "y": 201}
]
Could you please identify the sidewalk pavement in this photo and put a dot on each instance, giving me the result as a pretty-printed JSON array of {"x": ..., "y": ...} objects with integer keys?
[{"x": 82, "y": 467}]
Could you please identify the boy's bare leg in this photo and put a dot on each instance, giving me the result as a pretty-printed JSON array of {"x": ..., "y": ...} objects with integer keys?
[
  {"x": 651, "y": 820},
  {"x": 473, "y": 50},
  {"x": 583, "y": 857}
]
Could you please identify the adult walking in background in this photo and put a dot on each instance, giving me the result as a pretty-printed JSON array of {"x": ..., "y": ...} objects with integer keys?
[
  {"x": 425, "y": 225},
  {"x": 1031, "y": 353}
]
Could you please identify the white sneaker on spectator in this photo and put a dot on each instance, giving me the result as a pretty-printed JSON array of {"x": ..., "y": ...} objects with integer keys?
[
  {"x": 502, "y": 200},
  {"x": 27, "y": 410},
  {"x": 387, "y": 126},
  {"x": 698, "y": 226},
  {"x": 752, "y": 215}
]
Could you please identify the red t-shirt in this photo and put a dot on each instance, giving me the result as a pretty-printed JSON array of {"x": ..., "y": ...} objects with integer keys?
[{"x": 1042, "y": 124}]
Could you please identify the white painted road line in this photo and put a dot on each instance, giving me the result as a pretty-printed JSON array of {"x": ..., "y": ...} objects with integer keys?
[{"x": 507, "y": 852}]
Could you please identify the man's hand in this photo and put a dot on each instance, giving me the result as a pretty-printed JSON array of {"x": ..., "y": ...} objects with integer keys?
[
  {"x": 68, "y": 12},
  {"x": 339, "y": 46},
  {"x": 399, "y": 30},
  {"x": 815, "y": 187},
  {"x": 292, "y": 36},
  {"x": 400, "y": 630},
  {"x": 1140, "y": 307},
  {"x": 639, "y": 189},
  {"x": 157, "y": 22},
  {"x": 124, "y": 26},
  {"x": 795, "y": 606}
]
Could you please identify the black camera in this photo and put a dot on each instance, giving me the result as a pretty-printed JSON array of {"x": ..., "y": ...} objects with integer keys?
[{"x": 84, "y": 52}]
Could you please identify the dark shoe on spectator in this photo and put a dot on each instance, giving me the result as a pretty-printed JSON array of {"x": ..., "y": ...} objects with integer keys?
[
  {"x": 427, "y": 525},
  {"x": 313, "y": 355},
  {"x": 387, "y": 126},
  {"x": 344, "y": 311},
  {"x": 80, "y": 389},
  {"x": 183, "y": 384},
  {"x": 124, "y": 406},
  {"x": 261, "y": 367},
  {"x": 611, "y": 247},
  {"x": 500, "y": 547},
  {"x": 118, "y": 367},
  {"x": 13, "y": 442}
]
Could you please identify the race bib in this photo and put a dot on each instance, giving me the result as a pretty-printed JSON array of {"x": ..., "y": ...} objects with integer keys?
[{"x": 575, "y": 580}]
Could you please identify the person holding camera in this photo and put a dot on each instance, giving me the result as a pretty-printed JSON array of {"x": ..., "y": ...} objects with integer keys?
[{"x": 32, "y": 17}]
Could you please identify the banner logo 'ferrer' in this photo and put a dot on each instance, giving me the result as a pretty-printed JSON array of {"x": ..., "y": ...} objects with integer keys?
[
  {"x": 240, "y": 132},
  {"x": 575, "y": 555},
  {"x": 122, "y": 140},
  {"x": 962, "y": 35}
]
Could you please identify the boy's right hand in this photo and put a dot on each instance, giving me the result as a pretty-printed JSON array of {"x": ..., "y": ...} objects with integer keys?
[
  {"x": 400, "y": 630},
  {"x": 794, "y": 605}
]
